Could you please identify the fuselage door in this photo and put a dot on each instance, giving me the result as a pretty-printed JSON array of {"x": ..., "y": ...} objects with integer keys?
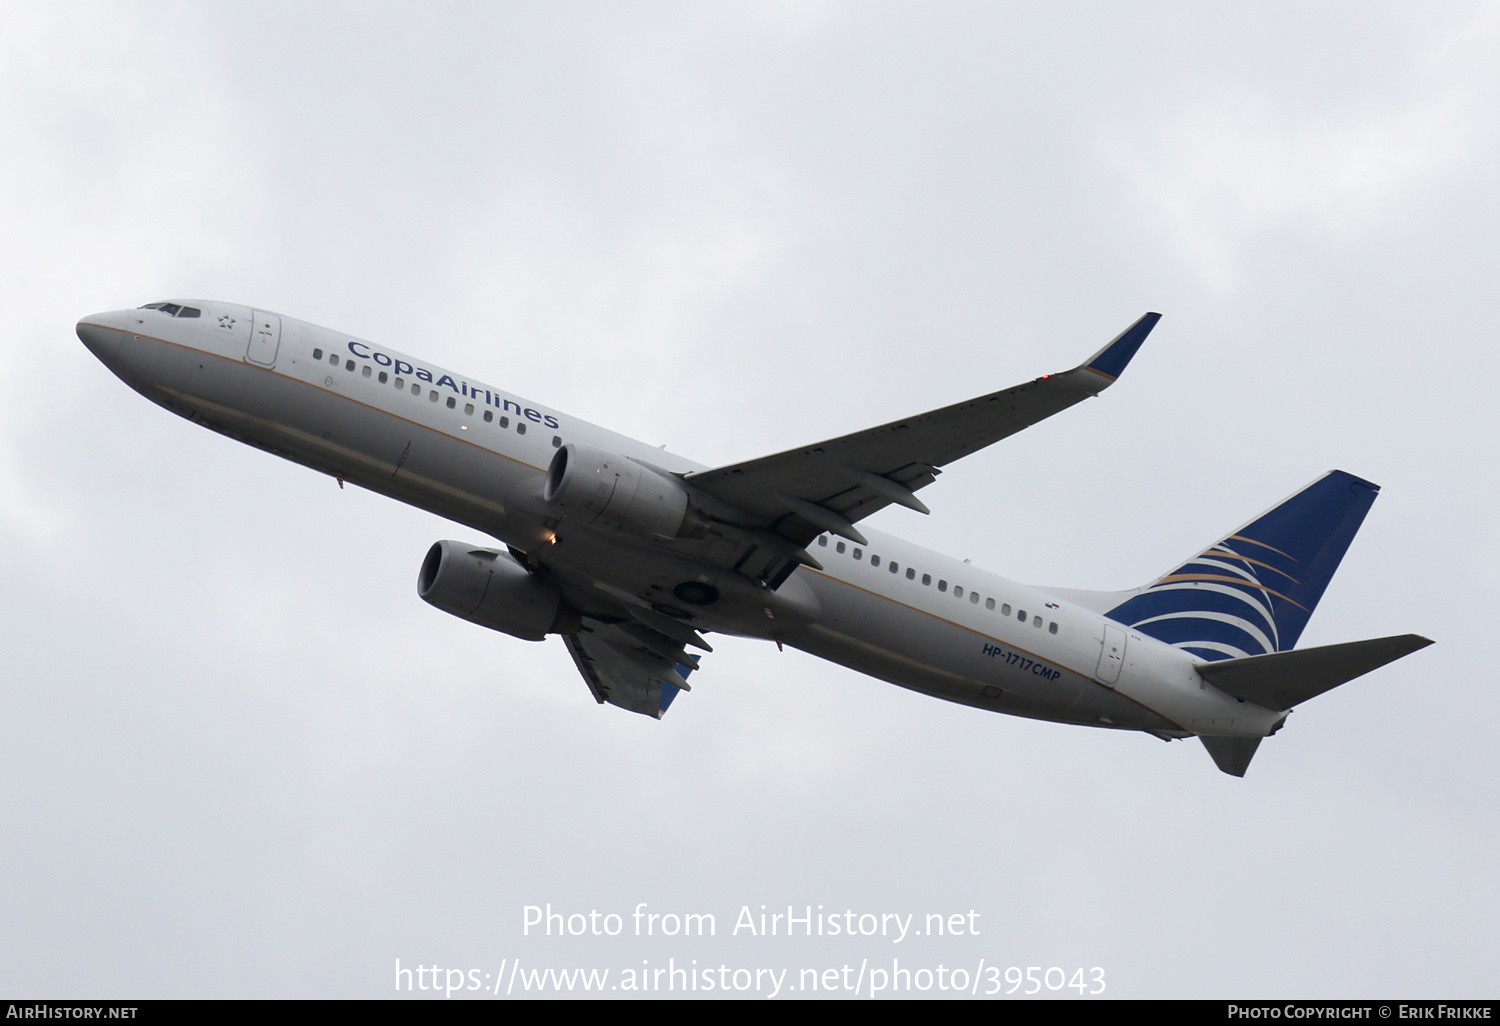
[
  {"x": 1112, "y": 657},
  {"x": 265, "y": 338}
]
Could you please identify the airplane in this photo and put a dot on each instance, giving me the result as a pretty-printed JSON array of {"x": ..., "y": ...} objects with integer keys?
[{"x": 634, "y": 554}]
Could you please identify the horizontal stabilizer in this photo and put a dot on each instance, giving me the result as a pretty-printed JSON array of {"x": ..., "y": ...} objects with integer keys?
[
  {"x": 1231, "y": 754},
  {"x": 1280, "y": 680}
]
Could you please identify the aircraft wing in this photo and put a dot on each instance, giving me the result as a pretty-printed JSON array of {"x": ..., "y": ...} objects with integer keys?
[
  {"x": 630, "y": 665},
  {"x": 832, "y": 485}
]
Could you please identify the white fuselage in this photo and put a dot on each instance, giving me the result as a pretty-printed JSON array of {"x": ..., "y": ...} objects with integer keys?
[{"x": 889, "y": 609}]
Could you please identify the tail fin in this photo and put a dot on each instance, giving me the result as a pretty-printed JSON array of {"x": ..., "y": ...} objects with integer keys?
[{"x": 1253, "y": 592}]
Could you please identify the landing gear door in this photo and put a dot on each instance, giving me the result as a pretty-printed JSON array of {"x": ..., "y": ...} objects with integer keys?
[
  {"x": 1112, "y": 655},
  {"x": 265, "y": 338}
]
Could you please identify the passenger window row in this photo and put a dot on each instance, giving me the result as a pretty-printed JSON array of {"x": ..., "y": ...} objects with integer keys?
[
  {"x": 858, "y": 554},
  {"x": 432, "y": 396}
]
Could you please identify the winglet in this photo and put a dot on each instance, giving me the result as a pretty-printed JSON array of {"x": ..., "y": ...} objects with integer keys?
[{"x": 1113, "y": 358}]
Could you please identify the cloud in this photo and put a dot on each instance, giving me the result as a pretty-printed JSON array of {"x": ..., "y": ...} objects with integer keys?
[{"x": 1229, "y": 166}]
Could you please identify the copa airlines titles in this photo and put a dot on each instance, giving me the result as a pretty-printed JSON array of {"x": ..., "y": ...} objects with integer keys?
[{"x": 400, "y": 367}]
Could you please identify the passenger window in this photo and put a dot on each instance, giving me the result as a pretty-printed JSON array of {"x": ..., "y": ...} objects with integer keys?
[
  {"x": 1005, "y": 609},
  {"x": 365, "y": 370},
  {"x": 1021, "y": 616},
  {"x": 349, "y": 365},
  {"x": 1052, "y": 627},
  {"x": 384, "y": 377},
  {"x": 452, "y": 402},
  {"x": 989, "y": 603},
  {"x": 911, "y": 575},
  {"x": 942, "y": 585},
  {"x": 894, "y": 566},
  {"x": 927, "y": 580},
  {"x": 1037, "y": 622},
  {"x": 823, "y": 540},
  {"x": 556, "y": 442},
  {"x": 416, "y": 389},
  {"x": 839, "y": 548},
  {"x": 400, "y": 384},
  {"x": 858, "y": 553},
  {"x": 505, "y": 422},
  {"x": 974, "y": 596},
  {"x": 469, "y": 409},
  {"x": 874, "y": 560},
  {"x": 520, "y": 427},
  {"x": 489, "y": 415},
  {"x": 317, "y": 354},
  {"x": 958, "y": 591},
  {"x": 432, "y": 397},
  {"x": 333, "y": 358}
]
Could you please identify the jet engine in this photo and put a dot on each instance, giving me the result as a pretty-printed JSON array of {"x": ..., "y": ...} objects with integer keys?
[
  {"x": 606, "y": 490},
  {"x": 491, "y": 589}
]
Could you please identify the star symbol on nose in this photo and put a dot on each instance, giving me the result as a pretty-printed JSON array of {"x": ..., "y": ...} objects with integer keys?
[{"x": 226, "y": 321}]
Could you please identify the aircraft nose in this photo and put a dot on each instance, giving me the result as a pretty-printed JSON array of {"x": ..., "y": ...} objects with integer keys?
[{"x": 101, "y": 333}]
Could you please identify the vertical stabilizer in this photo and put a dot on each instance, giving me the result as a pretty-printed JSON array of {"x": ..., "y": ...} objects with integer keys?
[{"x": 1252, "y": 592}]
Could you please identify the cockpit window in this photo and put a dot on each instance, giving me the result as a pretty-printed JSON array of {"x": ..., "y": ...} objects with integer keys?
[{"x": 174, "y": 310}]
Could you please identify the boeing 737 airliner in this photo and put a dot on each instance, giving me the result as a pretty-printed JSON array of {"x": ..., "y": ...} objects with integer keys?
[{"x": 633, "y": 554}]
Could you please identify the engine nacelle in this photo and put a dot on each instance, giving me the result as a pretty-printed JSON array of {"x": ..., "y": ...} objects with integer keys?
[
  {"x": 491, "y": 589},
  {"x": 605, "y": 490}
]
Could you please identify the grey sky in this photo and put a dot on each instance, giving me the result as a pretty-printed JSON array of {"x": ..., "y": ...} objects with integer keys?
[{"x": 243, "y": 758}]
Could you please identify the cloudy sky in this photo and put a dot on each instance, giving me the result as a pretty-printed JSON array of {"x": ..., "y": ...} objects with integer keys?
[{"x": 241, "y": 757}]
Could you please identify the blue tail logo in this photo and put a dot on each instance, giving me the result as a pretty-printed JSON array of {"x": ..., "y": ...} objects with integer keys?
[{"x": 1253, "y": 592}]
